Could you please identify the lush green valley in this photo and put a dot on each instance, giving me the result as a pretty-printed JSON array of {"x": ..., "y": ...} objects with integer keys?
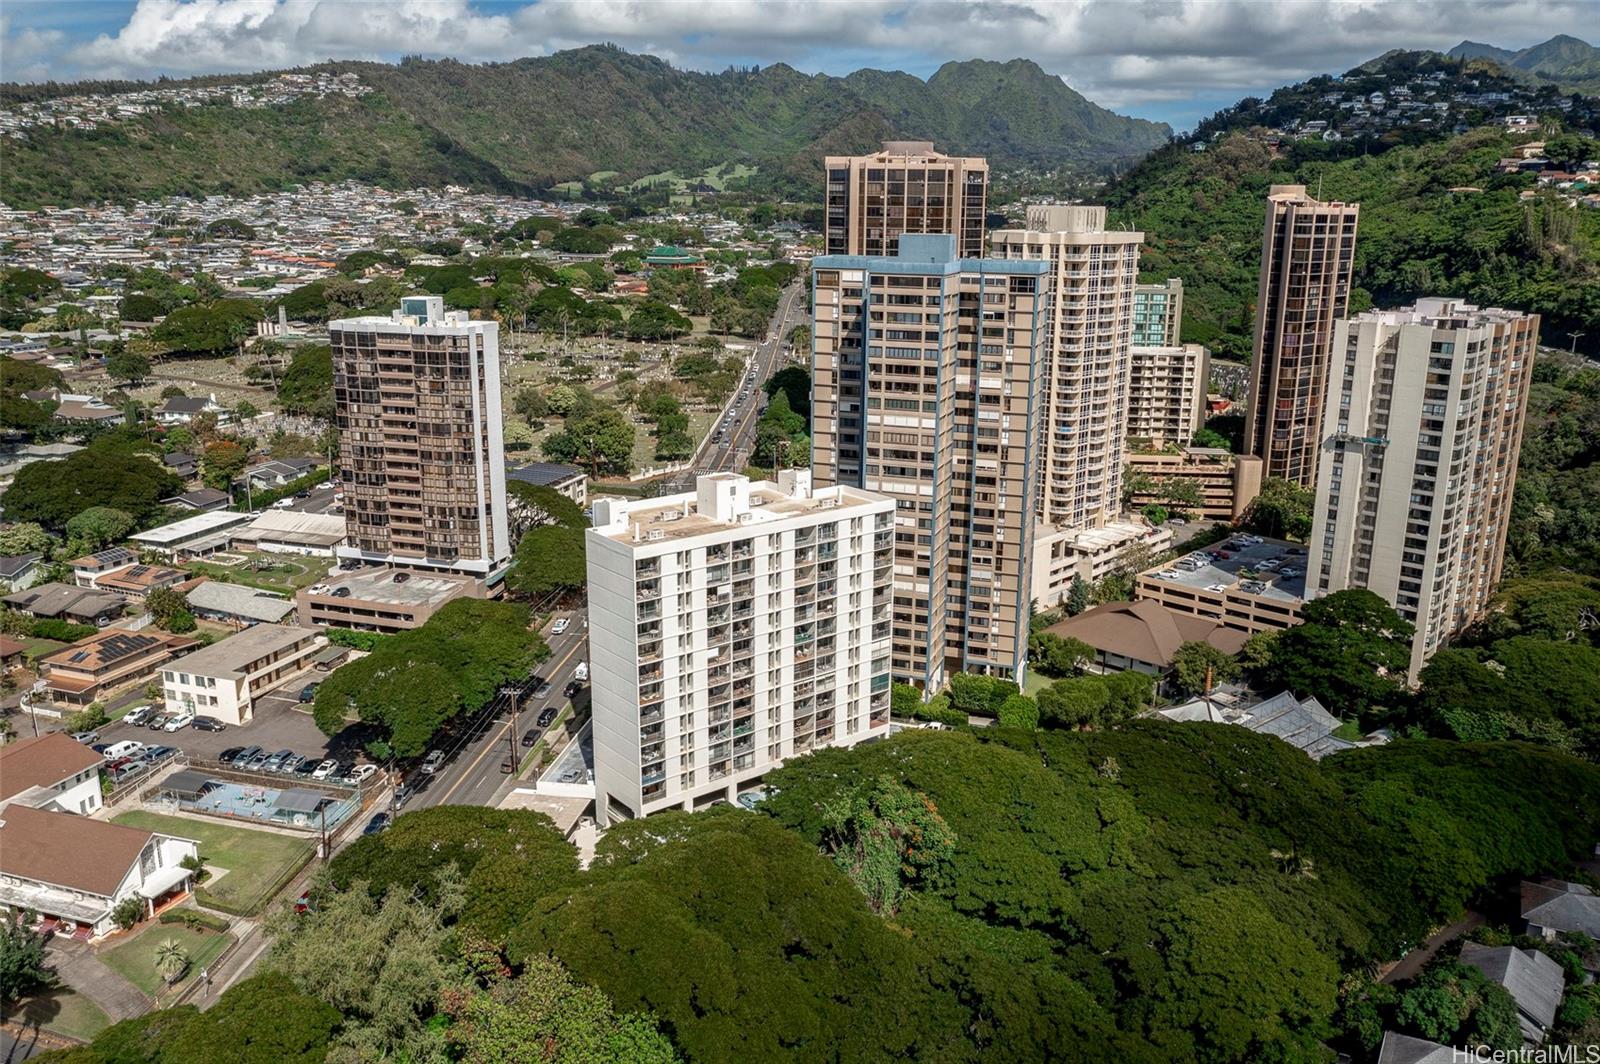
[
  {"x": 535, "y": 123},
  {"x": 1436, "y": 219}
]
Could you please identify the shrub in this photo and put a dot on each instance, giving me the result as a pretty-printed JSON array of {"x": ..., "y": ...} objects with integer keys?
[
  {"x": 193, "y": 918},
  {"x": 127, "y": 912}
]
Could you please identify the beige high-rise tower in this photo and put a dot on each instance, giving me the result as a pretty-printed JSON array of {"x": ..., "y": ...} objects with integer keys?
[
  {"x": 927, "y": 387},
  {"x": 417, "y": 398},
  {"x": 1308, "y": 250},
  {"x": 905, "y": 187},
  {"x": 1422, "y": 429},
  {"x": 1084, "y": 405}
]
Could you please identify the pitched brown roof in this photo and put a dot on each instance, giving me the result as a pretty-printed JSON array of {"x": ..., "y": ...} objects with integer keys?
[
  {"x": 1146, "y": 631},
  {"x": 66, "y": 850},
  {"x": 42, "y": 762}
]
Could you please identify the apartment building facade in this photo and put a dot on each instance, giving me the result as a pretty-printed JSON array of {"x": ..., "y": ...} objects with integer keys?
[
  {"x": 730, "y": 628},
  {"x": 1422, "y": 430},
  {"x": 1308, "y": 251},
  {"x": 417, "y": 398},
  {"x": 904, "y": 187},
  {"x": 1158, "y": 313},
  {"x": 1084, "y": 409},
  {"x": 927, "y": 386},
  {"x": 224, "y": 679},
  {"x": 1226, "y": 483},
  {"x": 1167, "y": 393}
]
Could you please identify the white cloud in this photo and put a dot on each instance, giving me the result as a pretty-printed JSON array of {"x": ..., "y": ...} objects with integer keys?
[{"x": 1118, "y": 52}]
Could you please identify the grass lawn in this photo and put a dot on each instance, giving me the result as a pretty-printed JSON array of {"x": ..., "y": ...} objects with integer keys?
[
  {"x": 64, "y": 1011},
  {"x": 254, "y": 859},
  {"x": 278, "y": 572},
  {"x": 135, "y": 959},
  {"x": 1036, "y": 682},
  {"x": 1350, "y": 730},
  {"x": 38, "y": 648}
]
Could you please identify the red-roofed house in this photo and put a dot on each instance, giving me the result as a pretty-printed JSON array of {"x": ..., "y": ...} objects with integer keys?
[{"x": 51, "y": 771}]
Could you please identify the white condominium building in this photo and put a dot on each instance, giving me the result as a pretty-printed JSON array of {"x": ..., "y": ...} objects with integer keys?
[
  {"x": 729, "y": 628},
  {"x": 1420, "y": 437},
  {"x": 1083, "y": 418},
  {"x": 421, "y": 447},
  {"x": 1167, "y": 393}
]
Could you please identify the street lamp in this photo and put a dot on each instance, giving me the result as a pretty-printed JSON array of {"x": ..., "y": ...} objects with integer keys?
[{"x": 1576, "y": 336}]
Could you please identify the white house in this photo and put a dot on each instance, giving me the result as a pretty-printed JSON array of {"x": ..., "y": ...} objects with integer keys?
[
  {"x": 51, "y": 771},
  {"x": 73, "y": 871}
]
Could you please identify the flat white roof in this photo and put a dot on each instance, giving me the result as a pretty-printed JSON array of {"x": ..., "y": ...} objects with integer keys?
[{"x": 191, "y": 528}]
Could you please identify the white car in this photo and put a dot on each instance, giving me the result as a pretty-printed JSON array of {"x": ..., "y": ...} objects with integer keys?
[
  {"x": 180, "y": 722},
  {"x": 1217, "y": 587},
  {"x": 283, "y": 504},
  {"x": 362, "y": 773},
  {"x": 431, "y": 763},
  {"x": 560, "y": 626},
  {"x": 126, "y": 748},
  {"x": 324, "y": 770}
]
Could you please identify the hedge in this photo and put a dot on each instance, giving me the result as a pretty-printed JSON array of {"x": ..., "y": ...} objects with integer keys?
[
  {"x": 349, "y": 637},
  {"x": 193, "y": 918},
  {"x": 266, "y": 497}
]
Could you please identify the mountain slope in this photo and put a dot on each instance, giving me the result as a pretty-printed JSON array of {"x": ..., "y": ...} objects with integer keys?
[
  {"x": 1563, "y": 60},
  {"x": 537, "y": 122}
]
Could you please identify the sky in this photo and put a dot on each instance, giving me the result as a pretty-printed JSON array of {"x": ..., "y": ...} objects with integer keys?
[{"x": 1175, "y": 61}]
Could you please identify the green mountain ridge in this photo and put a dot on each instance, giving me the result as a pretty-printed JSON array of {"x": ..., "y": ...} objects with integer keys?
[
  {"x": 534, "y": 123},
  {"x": 1563, "y": 60}
]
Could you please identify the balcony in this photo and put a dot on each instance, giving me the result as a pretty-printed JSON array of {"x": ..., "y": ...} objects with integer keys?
[
  {"x": 650, "y": 716},
  {"x": 648, "y": 589},
  {"x": 651, "y": 630},
  {"x": 653, "y": 792},
  {"x": 650, "y": 611},
  {"x": 650, "y": 692},
  {"x": 650, "y": 675},
  {"x": 718, "y": 574},
  {"x": 652, "y": 752},
  {"x": 646, "y": 569},
  {"x": 650, "y": 651}
]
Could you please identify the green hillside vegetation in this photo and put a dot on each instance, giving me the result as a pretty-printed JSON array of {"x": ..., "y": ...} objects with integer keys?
[
  {"x": 1202, "y": 213},
  {"x": 1563, "y": 60},
  {"x": 602, "y": 113}
]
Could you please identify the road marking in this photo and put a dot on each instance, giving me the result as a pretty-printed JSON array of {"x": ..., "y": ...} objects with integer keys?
[{"x": 470, "y": 769}]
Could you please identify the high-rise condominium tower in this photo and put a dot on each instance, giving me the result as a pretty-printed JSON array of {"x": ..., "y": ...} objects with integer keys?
[
  {"x": 417, "y": 397},
  {"x": 731, "y": 627},
  {"x": 1308, "y": 249},
  {"x": 1158, "y": 314},
  {"x": 1084, "y": 405},
  {"x": 928, "y": 375},
  {"x": 1422, "y": 429},
  {"x": 1167, "y": 393},
  {"x": 906, "y": 187}
]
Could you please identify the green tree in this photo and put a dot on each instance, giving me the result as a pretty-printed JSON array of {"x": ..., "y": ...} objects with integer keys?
[
  {"x": 164, "y": 604},
  {"x": 129, "y": 911},
  {"x": 1352, "y": 652},
  {"x": 24, "y": 537},
  {"x": 795, "y": 383},
  {"x": 24, "y": 966},
  {"x": 600, "y": 440},
  {"x": 978, "y": 694},
  {"x": 171, "y": 959},
  {"x": 222, "y": 325},
  {"x": 245, "y": 410},
  {"x": 99, "y": 526},
  {"x": 127, "y": 366},
  {"x": 307, "y": 384},
  {"x": 561, "y": 400},
  {"x": 887, "y": 838},
  {"x": 1282, "y": 510},
  {"x": 109, "y": 472},
  {"x": 1199, "y": 666},
  {"x": 222, "y": 462},
  {"x": 652, "y": 320},
  {"x": 544, "y": 1016},
  {"x": 1078, "y": 598},
  {"x": 530, "y": 405},
  {"x": 1019, "y": 711}
]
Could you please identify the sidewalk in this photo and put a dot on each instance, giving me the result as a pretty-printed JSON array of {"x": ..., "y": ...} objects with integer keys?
[{"x": 79, "y": 968}]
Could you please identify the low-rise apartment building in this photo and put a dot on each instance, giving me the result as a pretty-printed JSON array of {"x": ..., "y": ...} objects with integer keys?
[
  {"x": 91, "y": 668},
  {"x": 224, "y": 679},
  {"x": 1227, "y": 483},
  {"x": 1062, "y": 556},
  {"x": 732, "y": 627}
]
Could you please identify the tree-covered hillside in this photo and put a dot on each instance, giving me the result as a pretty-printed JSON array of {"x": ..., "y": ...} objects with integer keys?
[
  {"x": 534, "y": 123},
  {"x": 1436, "y": 220}
]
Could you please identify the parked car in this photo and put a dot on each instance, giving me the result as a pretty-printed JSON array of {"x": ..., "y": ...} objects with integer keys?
[
  {"x": 546, "y": 717},
  {"x": 139, "y": 715},
  {"x": 155, "y": 754},
  {"x": 542, "y": 691},
  {"x": 431, "y": 763},
  {"x": 126, "y": 748},
  {"x": 377, "y": 824},
  {"x": 530, "y": 736},
  {"x": 306, "y": 768},
  {"x": 308, "y": 693},
  {"x": 582, "y": 671},
  {"x": 129, "y": 770},
  {"x": 276, "y": 759},
  {"x": 258, "y": 761},
  {"x": 361, "y": 773},
  {"x": 290, "y": 763},
  {"x": 283, "y": 504},
  {"x": 560, "y": 626},
  {"x": 178, "y": 723},
  {"x": 572, "y": 688},
  {"x": 402, "y": 795},
  {"x": 227, "y": 756},
  {"x": 101, "y": 748},
  {"x": 87, "y": 738},
  {"x": 112, "y": 766},
  {"x": 159, "y": 722},
  {"x": 208, "y": 724},
  {"x": 324, "y": 770},
  {"x": 508, "y": 765}
]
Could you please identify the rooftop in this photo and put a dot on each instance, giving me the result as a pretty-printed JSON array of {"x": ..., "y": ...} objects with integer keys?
[
  {"x": 543, "y": 473},
  {"x": 379, "y": 585},
  {"x": 191, "y": 528},
  {"x": 140, "y": 578},
  {"x": 1304, "y": 725},
  {"x": 65, "y": 850},
  {"x": 1534, "y": 980},
  {"x": 240, "y": 601},
  {"x": 110, "y": 558},
  {"x": 677, "y": 517},
  {"x": 1146, "y": 631},
  {"x": 1266, "y": 559},
  {"x": 293, "y": 526},
  {"x": 104, "y": 649},
  {"x": 43, "y": 761},
  {"x": 55, "y": 599},
  {"x": 231, "y": 656}
]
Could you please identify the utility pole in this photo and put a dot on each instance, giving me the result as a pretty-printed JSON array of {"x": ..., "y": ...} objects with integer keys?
[
  {"x": 511, "y": 736},
  {"x": 1576, "y": 336}
]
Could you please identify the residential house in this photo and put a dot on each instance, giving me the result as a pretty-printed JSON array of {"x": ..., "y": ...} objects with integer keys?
[
  {"x": 1555, "y": 907},
  {"x": 182, "y": 463},
  {"x": 79, "y": 605},
  {"x": 12, "y": 652},
  {"x": 1144, "y": 636},
  {"x": 183, "y": 409},
  {"x": 1404, "y": 1049},
  {"x": 238, "y": 605},
  {"x": 278, "y": 472},
  {"x": 89, "y": 568},
  {"x": 19, "y": 571},
  {"x": 95, "y": 666},
  {"x": 1532, "y": 978},
  {"x": 135, "y": 582},
  {"x": 51, "y": 771},
  {"x": 568, "y": 480},
  {"x": 201, "y": 500},
  {"x": 1302, "y": 723},
  {"x": 74, "y": 871}
]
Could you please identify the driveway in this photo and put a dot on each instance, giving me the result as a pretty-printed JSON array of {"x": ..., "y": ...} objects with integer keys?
[{"x": 78, "y": 967}]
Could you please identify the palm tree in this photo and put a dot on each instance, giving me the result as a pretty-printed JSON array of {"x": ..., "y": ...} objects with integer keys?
[{"x": 172, "y": 960}]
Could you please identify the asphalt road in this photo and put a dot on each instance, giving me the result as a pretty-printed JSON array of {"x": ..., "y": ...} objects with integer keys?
[
  {"x": 731, "y": 452},
  {"x": 471, "y": 775}
]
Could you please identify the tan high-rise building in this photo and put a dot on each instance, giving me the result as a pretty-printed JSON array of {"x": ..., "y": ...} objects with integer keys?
[
  {"x": 1308, "y": 250},
  {"x": 1083, "y": 418},
  {"x": 1167, "y": 393},
  {"x": 417, "y": 398},
  {"x": 905, "y": 187},
  {"x": 928, "y": 373},
  {"x": 1420, "y": 436}
]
